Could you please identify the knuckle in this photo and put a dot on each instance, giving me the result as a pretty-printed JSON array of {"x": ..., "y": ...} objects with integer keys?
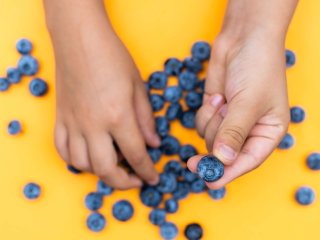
[{"x": 235, "y": 134}]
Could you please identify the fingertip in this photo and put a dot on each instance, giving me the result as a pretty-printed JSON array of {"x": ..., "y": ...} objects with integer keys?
[
  {"x": 155, "y": 180},
  {"x": 193, "y": 163},
  {"x": 135, "y": 181}
]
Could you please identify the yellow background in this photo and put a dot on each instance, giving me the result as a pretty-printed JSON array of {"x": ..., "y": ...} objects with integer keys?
[{"x": 259, "y": 205}]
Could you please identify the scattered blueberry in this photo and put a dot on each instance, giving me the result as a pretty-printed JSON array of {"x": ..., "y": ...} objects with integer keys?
[
  {"x": 146, "y": 84},
  {"x": 32, "y": 191},
  {"x": 201, "y": 51},
  {"x": 24, "y": 46},
  {"x": 168, "y": 231},
  {"x": 13, "y": 75},
  {"x": 14, "y": 127},
  {"x": 170, "y": 145},
  {"x": 4, "y": 84},
  {"x": 173, "y": 94},
  {"x": 173, "y": 66},
  {"x": 162, "y": 126},
  {"x": 193, "y": 231},
  {"x": 154, "y": 153},
  {"x": 174, "y": 111},
  {"x": 198, "y": 186},
  {"x": 290, "y": 58},
  {"x": 171, "y": 205},
  {"x": 217, "y": 194},
  {"x": 182, "y": 190},
  {"x": 201, "y": 85},
  {"x": 305, "y": 196},
  {"x": 150, "y": 196},
  {"x": 313, "y": 161},
  {"x": 96, "y": 222},
  {"x": 103, "y": 188},
  {"x": 28, "y": 65},
  {"x": 193, "y": 65},
  {"x": 188, "y": 176},
  {"x": 158, "y": 80},
  {"x": 188, "y": 119},
  {"x": 73, "y": 169},
  {"x": 38, "y": 87},
  {"x": 157, "y": 102},
  {"x": 122, "y": 210},
  {"x": 188, "y": 80},
  {"x": 167, "y": 183},
  {"x": 287, "y": 142},
  {"x": 173, "y": 167},
  {"x": 193, "y": 100},
  {"x": 210, "y": 168},
  {"x": 187, "y": 151},
  {"x": 297, "y": 114},
  {"x": 157, "y": 216},
  {"x": 94, "y": 201}
]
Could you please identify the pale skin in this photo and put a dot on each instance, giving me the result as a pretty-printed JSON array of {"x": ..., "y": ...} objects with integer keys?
[{"x": 101, "y": 98}]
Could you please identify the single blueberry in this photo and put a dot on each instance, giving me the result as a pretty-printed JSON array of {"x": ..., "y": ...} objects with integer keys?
[
  {"x": 188, "y": 80},
  {"x": 146, "y": 84},
  {"x": 173, "y": 167},
  {"x": 150, "y": 196},
  {"x": 94, "y": 201},
  {"x": 182, "y": 190},
  {"x": 162, "y": 126},
  {"x": 4, "y": 84},
  {"x": 173, "y": 66},
  {"x": 174, "y": 111},
  {"x": 193, "y": 231},
  {"x": 290, "y": 58},
  {"x": 187, "y": 119},
  {"x": 217, "y": 194},
  {"x": 24, "y": 46},
  {"x": 14, "y": 127},
  {"x": 201, "y": 51},
  {"x": 13, "y": 75},
  {"x": 201, "y": 85},
  {"x": 193, "y": 100},
  {"x": 193, "y": 65},
  {"x": 171, "y": 205},
  {"x": 210, "y": 168},
  {"x": 157, "y": 216},
  {"x": 157, "y": 102},
  {"x": 313, "y": 161},
  {"x": 38, "y": 87},
  {"x": 32, "y": 191},
  {"x": 28, "y": 65},
  {"x": 170, "y": 145},
  {"x": 73, "y": 169},
  {"x": 122, "y": 210},
  {"x": 103, "y": 188},
  {"x": 198, "y": 186},
  {"x": 168, "y": 231},
  {"x": 167, "y": 183},
  {"x": 173, "y": 94},
  {"x": 297, "y": 114},
  {"x": 158, "y": 80},
  {"x": 154, "y": 153},
  {"x": 187, "y": 151},
  {"x": 188, "y": 176},
  {"x": 305, "y": 196},
  {"x": 286, "y": 142},
  {"x": 96, "y": 222}
]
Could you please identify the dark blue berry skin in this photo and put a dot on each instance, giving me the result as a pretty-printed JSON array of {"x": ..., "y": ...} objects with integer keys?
[
  {"x": 198, "y": 186},
  {"x": 167, "y": 183},
  {"x": 173, "y": 167},
  {"x": 210, "y": 168},
  {"x": 146, "y": 84},
  {"x": 170, "y": 145},
  {"x": 24, "y": 46},
  {"x": 96, "y": 222},
  {"x": 4, "y": 84},
  {"x": 162, "y": 126},
  {"x": 188, "y": 176},
  {"x": 297, "y": 114},
  {"x": 188, "y": 81},
  {"x": 290, "y": 58},
  {"x": 14, "y": 127},
  {"x": 193, "y": 231},
  {"x": 38, "y": 87},
  {"x": 171, "y": 205},
  {"x": 13, "y": 75},
  {"x": 187, "y": 151},
  {"x": 217, "y": 194},
  {"x": 174, "y": 111},
  {"x": 157, "y": 102},
  {"x": 173, "y": 94},
  {"x": 305, "y": 196},
  {"x": 122, "y": 210},
  {"x": 193, "y": 100},
  {"x": 103, "y": 188},
  {"x": 287, "y": 142},
  {"x": 193, "y": 65},
  {"x": 155, "y": 154},
  {"x": 73, "y": 169},
  {"x": 94, "y": 201},
  {"x": 150, "y": 196},
  {"x": 313, "y": 161},
  {"x": 168, "y": 231},
  {"x": 28, "y": 65},
  {"x": 188, "y": 119},
  {"x": 157, "y": 216},
  {"x": 158, "y": 80},
  {"x": 201, "y": 86},
  {"x": 173, "y": 66},
  {"x": 32, "y": 191},
  {"x": 182, "y": 190},
  {"x": 201, "y": 51}
]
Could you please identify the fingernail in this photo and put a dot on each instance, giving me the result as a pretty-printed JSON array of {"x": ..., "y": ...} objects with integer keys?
[
  {"x": 227, "y": 152},
  {"x": 216, "y": 100},
  {"x": 154, "y": 182}
]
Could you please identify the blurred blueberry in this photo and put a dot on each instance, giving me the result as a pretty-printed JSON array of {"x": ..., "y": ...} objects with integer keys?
[
  {"x": 167, "y": 183},
  {"x": 187, "y": 151},
  {"x": 14, "y": 127},
  {"x": 171, "y": 205},
  {"x": 187, "y": 119},
  {"x": 193, "y": 231},
  {"x": 96, "y": 222},
  {"x": 286, "y": 142},
  {"x": 157, "y": 102},
  {"x": 174, "y": 111},
  {"x": 290, "y": 58},
  {"x": 182, "y": 190},
  {"x": 173, "y": 94},
  {"x": 173, "y": 167},
  {"x": 188, "y": 80},
  {"x": 188, "y": 176},
  {"x": 32, "y": 191},
  {"x": 103, "y": 188},
  {"x": 73, "y": 169},
  {"x": 193, "y": 65},
  {"x": 4, "y": 84},
  {"x": 305, "y": 196},
  {"x": 158, "y": 80},
  {"x": 13, "y": 75},
  {"x": 28, "y": 65},
  {"x": 122, "y": 210},
  {"x": 24, "y": 46},
  {"x": 150, "y": 196},
  {"x": 173, "y": 66},
  {"x": 313, "y": 161},
  {"x": 157, "y": 216},
  {"x": 217, "y": 194},
  {"x": 162, "y": 126},
  {"x": 38, "y": 87},
  {"x": 193, "y": 100},
  {"x": 154, "y": 153},
  {"x": 168, "y": 231},
  {"x": 170, "y": 145},
  {"x": 297, "y": 114},
  {"x": 94, "y": 201},
  {"x": 198, "y": 186},
  {"x": 201, "y": 50}
]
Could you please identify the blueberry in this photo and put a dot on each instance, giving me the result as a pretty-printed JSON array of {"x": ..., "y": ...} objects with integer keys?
[
  {"x": 162, "y": 126},
  {"x": 103, "y": 188},
  {"x": 158, "y": 80},
  {"x": 14, "y": 127},
  {"x": 173, "y": 66},
  {"x": 198, "y": 186},
  {"x": 188, "y": 80},
  {"x": 157, "y": 102},
  {"x": 168, "y": 231},
  {"x": 147, "y": 85},
  {"x": 193, "y": 65},
  {"x": 305, "y": 196},
  {"x": 174, "y": 111},
  {"x": 201, "y": 85},
  {"x": 173, "y": 94},
  {"x": 150, "y": 196},
  {"x": 28, "y": 65},
  {"x": 96, "y": 222},
  {"x": 167, "y": 183},
  {"x": 217, "y": 194},
  {"x": 188, "y": 176},
  {"x": 201, "y": 51},
  {"x": 157, "y": 216},
  {"x": 38, "y": 87},
  {"x": 32, "y": 191},
  {"x": 73, "y": 169},
  {"x": 290, "y": 58},
  {"x": 170, "y": 145},
  {"x": 171, "y": 205},
  {"x": 210, "y": 168},
  {"x": 313, "y": 161},
  {"x": 94, "y": 201},
  {"x": 154, "y": 153},
  {"x": 182, "y": 190},
  {"x": 287, "y": 142},
  {"x": 13, "y": 75},
  {"x": 297, "y": 114},
  {"x": 122, "y": 210},
  {"x": 193, "y": 100},
  {"x": 24, "y": 46},
  {"x": 173, "y": 167},
  {"x": 193, "y": 231},
  {"x": 4, "y": 84},
  {"x": 187, "y": 119},
  {"x": 187, "y": 151}
]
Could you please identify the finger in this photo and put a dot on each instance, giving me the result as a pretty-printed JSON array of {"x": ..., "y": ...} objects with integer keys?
[{"x": 61, "y": 141}]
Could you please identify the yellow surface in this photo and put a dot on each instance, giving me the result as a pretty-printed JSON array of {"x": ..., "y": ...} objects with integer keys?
[{"x": 257, "y": 206}]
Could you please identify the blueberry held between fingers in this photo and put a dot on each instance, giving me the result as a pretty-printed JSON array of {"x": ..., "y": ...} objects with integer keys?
[
  {"x": 32, "y": 191},
  {"x": 173, "y": 94},
  {"x": 173, "y": 66},
  {"x": 24, "y": 46},
  {"x": 174, "y": 111},
  {"x": 286, "y": 142},
  {"x": 13, "y": 75},
  {"x": 94, "y": 201},
  {"x": 38, "y": 87},
  {"x": 193, "y": 231},
  {"x": 155, "y": 154},
  {"x": 4, "y": 84},
  {"x": 162, "y": 126},
  {"x": 158, "y": 80},
  {"x": 193, "y": 100},
  {"x": 290, "y": 58},
  {"x": 171, "y": 205},
  {"x": 188, "y": 80},
  {"x": 28, "y": 65},
  {"x": 210, "y": 168},
  {"x": 187, "y": 151},
  {"x": 122, "y": 210},
  {"x": 157, "y": 216},
  {"x": 96, "y": 222},
  {"x": 297, "y": 114},
  {"x": 170, "y": 145},
  {"x": 217, "y": 194},
  {"x": 313, "y": 161},
  {"x": 14, "y": 127},
  {"x": 168, "y": 231},
  {"x": 150, "y": 196},
  {"x": 193, "y": 65},
  {"x": 305, "y": 196},
  {"x": 201, "y": 50},
  {"x": 103, "y": 188},
  {"x": 187, "y": 119},
  {"x": 157, "y": 102}
]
